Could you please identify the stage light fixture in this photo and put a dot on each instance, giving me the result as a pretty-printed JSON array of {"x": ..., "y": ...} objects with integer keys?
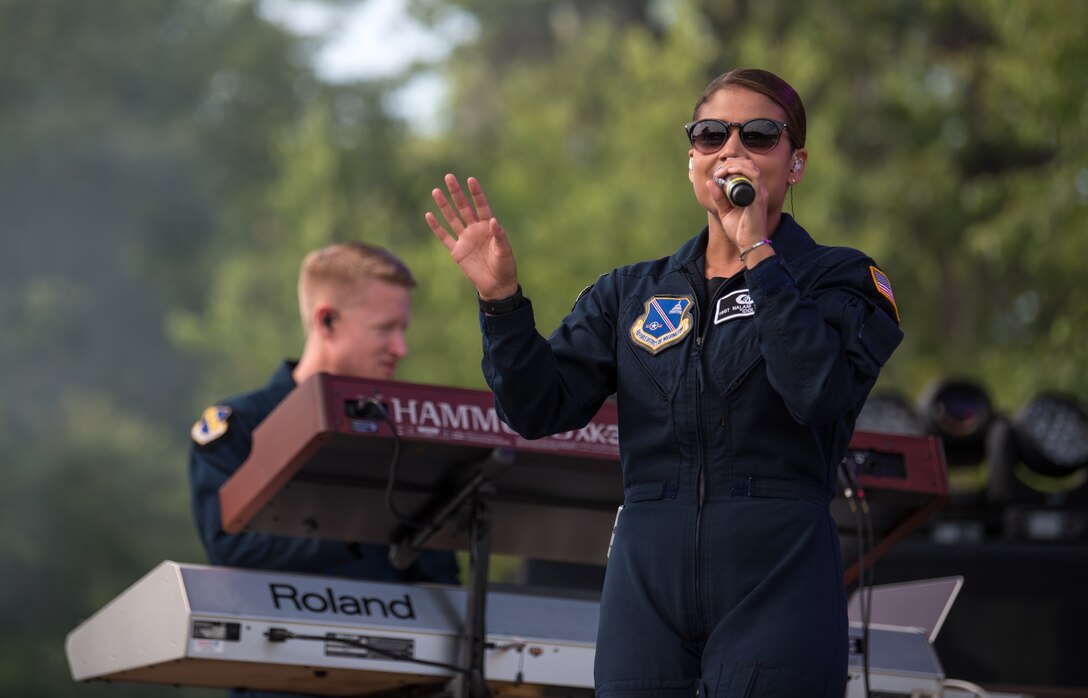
[
  {"x": 960, "y": 412},
  {"x": 1052, "y": 433},
  {"x": 1041, "y": 470},
  {"x": 889, "y": 412}
]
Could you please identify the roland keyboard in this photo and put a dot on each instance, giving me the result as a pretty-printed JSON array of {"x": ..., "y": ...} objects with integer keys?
[{"x": 219, "y": 627}]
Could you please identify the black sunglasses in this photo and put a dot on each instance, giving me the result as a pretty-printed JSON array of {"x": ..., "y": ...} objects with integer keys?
[{"x": 757, "y": 135}]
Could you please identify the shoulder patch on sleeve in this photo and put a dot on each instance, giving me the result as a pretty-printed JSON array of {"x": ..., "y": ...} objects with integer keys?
[
  {"x": 211, "y": 425},
  {"x": 884, "y": 287}
]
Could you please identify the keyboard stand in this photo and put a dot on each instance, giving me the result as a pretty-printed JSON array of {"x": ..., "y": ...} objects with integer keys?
[{"x": 472, "y": 498}]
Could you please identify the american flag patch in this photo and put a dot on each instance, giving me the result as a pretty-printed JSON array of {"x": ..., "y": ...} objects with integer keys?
[{"x": 884, "y": 288}]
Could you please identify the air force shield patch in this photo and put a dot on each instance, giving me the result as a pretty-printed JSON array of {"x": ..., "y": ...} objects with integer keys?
[{"x": 666, "y": 320}]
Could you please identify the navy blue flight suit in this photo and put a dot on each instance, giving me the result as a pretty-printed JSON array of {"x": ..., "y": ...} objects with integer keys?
[
  {"x": 725, "y": 576},
  {"x": 231, "y": 424}
]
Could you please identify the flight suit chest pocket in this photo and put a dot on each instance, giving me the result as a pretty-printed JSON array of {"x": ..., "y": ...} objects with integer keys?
[{"x": 730, "y": 352}]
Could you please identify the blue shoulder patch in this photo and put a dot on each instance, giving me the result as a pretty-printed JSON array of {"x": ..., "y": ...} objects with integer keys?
[{"x": 211, "y": 425}]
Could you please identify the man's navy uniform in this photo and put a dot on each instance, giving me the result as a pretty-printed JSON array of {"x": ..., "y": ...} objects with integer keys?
[
  {"x": 735, "y": 408},
  {"x": 222, "y": 440}
]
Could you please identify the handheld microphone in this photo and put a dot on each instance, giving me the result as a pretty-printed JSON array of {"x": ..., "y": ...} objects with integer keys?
[{"x": 738, "y": 189}]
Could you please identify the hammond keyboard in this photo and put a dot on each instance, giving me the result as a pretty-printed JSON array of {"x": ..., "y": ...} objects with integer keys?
[{"x": 320, "y": 465}]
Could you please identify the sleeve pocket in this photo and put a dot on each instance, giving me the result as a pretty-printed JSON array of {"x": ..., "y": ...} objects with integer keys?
[{"x": 879, "y": 336}]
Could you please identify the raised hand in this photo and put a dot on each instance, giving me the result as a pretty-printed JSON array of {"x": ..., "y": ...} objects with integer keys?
[{"x": 478, "y": 243}]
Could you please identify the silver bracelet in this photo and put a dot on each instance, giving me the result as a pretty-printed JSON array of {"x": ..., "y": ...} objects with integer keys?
[{"x": 761, "y": 243}]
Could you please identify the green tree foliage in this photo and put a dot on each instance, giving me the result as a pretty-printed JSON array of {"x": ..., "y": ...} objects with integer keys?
[
  {"x": 129, "y": 131},
  {"x": 956, "y": 163},
  {"x": 91, "y": 512},
  {"x": 945, "y": 140},
  {"x": 342, "y": 173},
  {"x": 164, "y": 167}
]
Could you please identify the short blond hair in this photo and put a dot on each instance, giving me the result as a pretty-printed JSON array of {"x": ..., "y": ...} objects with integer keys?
[{"x": 339, "y": 274}]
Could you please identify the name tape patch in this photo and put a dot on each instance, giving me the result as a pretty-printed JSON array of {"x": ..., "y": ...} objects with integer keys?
[{"x": 734, "y": 305}]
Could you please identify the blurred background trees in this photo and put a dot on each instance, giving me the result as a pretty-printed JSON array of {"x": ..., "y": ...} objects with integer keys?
[{"x": 164, "y": 166}]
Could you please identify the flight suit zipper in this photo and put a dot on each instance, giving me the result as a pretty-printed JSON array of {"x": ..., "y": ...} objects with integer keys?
[
  {"x": 700, "y": 479},
  {"x": 700, "y": 496}
]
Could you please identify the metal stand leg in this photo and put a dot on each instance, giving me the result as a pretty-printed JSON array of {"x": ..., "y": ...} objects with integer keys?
[
  {"x": 473, "y": 495},
  {"x": 475, "y": 631}
]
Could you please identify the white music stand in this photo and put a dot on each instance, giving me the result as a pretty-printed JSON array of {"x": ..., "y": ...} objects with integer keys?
[{"x": 922, "y": 604}]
